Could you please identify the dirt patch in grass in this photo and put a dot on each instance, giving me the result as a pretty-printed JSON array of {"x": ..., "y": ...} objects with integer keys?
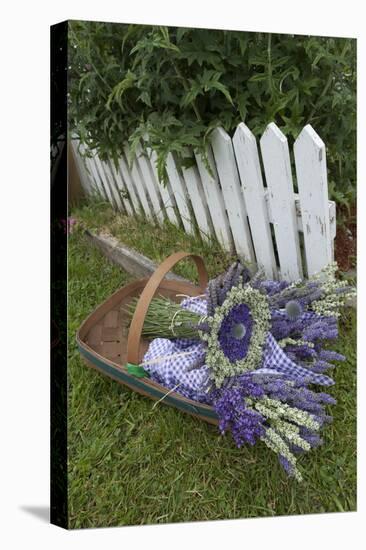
[{"x": 345, "y": 248}]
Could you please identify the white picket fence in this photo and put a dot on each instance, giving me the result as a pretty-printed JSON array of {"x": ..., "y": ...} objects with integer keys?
[{"x": 252, "y": 212}]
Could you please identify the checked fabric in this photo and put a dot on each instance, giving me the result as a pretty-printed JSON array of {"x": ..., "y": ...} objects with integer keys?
[{"x": 180, "y": 363}]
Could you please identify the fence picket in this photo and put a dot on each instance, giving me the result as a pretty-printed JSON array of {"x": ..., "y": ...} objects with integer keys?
[
  {"x": 96, "y": 188},
  {"x": 112, "y": 185},
  {"x": 277, "y": 168},
  {"x": 97, "y": 179},
  {"x": 331, "y": 207},
  {"x": 215, "y": 202},
  {"x": 139, "y": 186},
  {"x": 246, "y": 152},
  {"x": 232, "y": 192},
  {"x": 121, "y": 187},
  {"x": 165, "y": 190},
  {"x": 311, "y": 173},
  {"x": 150, "y": 184},
  {"x": 82, "y": 170},
  {"x": 105, "y": 181},
  {"x": 196, "y": 194},
  {"x": 180, "y": 194},
  {"x": 133, "y": 197}
]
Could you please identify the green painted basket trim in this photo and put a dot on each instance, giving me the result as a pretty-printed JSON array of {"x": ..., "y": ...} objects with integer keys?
[{"x": 139, "y": 384}]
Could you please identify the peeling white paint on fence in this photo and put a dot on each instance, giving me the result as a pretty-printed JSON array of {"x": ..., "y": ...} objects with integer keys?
[
  {"x": 236, "y": 201},
  {"x": 277, "y": 168},
  {"x": 233, "y": 196},
  {"x": 311, "y": 171},
  {"x": 247, "y": 157}
]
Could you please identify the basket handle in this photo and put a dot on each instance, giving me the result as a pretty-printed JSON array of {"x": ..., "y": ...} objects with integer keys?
[{"x": 138, "y": 319}]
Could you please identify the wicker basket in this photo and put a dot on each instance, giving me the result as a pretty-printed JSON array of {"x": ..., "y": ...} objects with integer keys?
[{"x": 108, "y": 346}]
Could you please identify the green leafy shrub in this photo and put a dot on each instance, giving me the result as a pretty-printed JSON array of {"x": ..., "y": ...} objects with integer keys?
[{"x": 175, "y": 85}]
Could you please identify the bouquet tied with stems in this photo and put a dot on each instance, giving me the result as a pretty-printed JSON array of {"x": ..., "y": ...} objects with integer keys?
[{"x": 255, "y": 350}]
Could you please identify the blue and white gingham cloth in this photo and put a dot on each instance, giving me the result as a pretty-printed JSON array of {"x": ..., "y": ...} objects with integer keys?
[
  {"x": 275, "y": 359},
  {"x": 196, "y": 304},
  {"x": 187, "y": 372},
  {"x": 305, "y": 316},
  {"x": 180, "y": 363}
]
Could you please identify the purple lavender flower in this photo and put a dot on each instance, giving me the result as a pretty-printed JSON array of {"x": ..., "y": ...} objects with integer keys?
[
  {"x": 235, "y": 332},
  {"x": 289, "y": 469},
  {"x": 271, "y": 288},
  {"x": 329, "y": 355},
  {"x": 304, "y": 294},
  {"x": 319, "y": 366},
  {"x": 218, "y": 288},
  {"x": 245, "y": 424},
  {"x": 295, "y": 394},
  {"x": 312, "y": 438}
]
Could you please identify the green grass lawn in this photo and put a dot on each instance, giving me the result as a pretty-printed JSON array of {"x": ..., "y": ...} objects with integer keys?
[{"x": 132, "y": 464}]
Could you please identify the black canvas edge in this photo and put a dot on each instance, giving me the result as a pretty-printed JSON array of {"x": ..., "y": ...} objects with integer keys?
[{"x": 58, "y": 268}]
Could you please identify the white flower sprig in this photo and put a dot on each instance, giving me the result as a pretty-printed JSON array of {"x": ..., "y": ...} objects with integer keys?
[
  {"x": 284, "y": 427},
  {"x": 335, "y": 292},
  {"x": 274, "y": 441}
]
